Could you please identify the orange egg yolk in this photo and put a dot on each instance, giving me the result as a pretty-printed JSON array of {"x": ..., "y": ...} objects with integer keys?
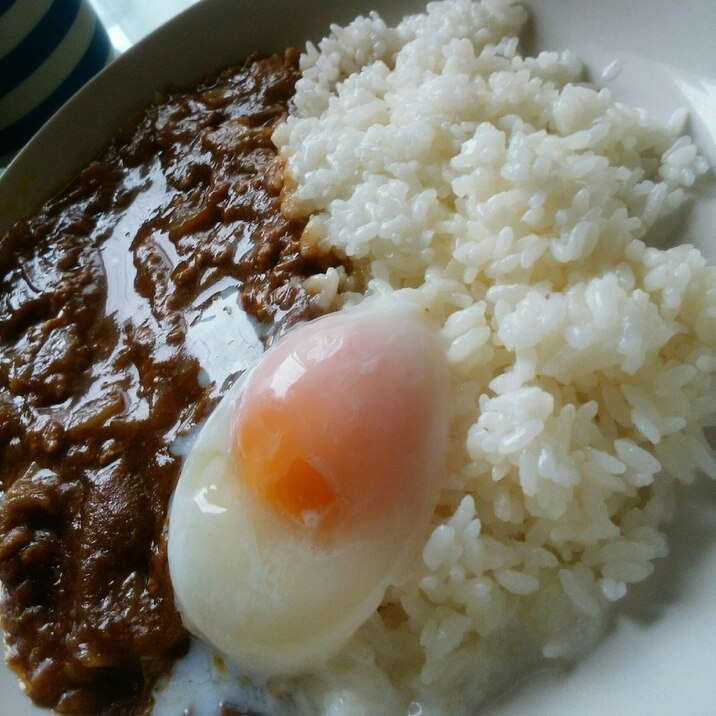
[
  {"x": 274, "y": 463},
  {"x": 333, "y": 424}
]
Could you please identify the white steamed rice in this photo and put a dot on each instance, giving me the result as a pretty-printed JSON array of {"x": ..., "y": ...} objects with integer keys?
[{"x": 515, "y": 205}]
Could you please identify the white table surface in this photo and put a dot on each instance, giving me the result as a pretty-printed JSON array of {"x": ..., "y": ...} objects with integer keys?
[{"x": 128, "y": 21}]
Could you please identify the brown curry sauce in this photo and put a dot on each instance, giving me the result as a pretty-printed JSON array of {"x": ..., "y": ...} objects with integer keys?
[{"x": 96, "y": 381}]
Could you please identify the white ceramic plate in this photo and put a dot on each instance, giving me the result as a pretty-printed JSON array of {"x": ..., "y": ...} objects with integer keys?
[{"x": 657, "y": 659}]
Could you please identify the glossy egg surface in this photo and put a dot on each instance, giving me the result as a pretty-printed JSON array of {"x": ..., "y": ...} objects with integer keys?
[{"x": 309, "y": 489}]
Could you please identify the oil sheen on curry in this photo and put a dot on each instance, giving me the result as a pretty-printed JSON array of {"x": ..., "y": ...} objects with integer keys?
[{"x": 99, "y": 381}]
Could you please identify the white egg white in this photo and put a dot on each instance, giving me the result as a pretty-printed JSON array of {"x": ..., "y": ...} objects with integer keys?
[{"x": 260, "y": 588}]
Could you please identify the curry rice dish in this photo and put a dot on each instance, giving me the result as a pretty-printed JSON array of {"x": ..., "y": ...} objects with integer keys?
[{"x": 429, "y": 165}]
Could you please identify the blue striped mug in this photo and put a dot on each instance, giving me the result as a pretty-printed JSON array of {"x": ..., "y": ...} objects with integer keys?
[{"x": 48, "y": 50}]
